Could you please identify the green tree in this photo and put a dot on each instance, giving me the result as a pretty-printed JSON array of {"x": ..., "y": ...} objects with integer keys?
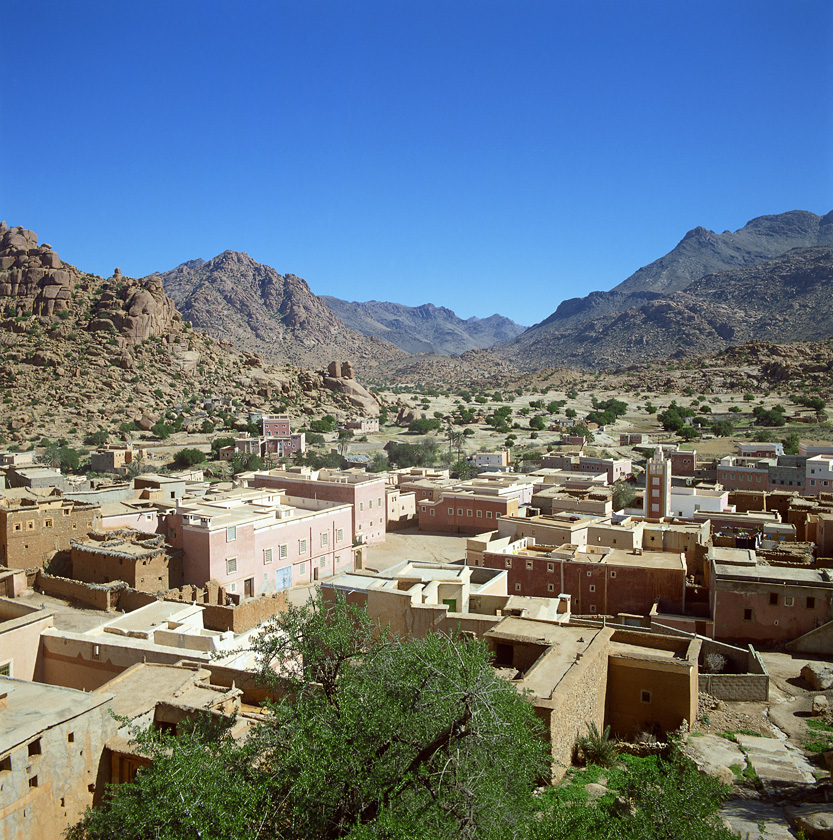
[
  {"x": 623, "y": 495},
  {"x": 220, "y": 443},
  {"x": 537, "y": 423},
  {"x": 188, "y": 457},
  {"x": 162, "y": 430},
  {"x": 374, "y": 737}
]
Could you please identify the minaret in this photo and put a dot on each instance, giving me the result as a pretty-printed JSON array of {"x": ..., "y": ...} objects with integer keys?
[{"x": 658, "y": 485}]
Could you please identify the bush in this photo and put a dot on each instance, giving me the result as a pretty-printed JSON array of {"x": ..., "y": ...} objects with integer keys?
[
  {"x": 96, "y": 438},
  {"x": 597, "y": 747},
  {"x": 188, "y": 457}
]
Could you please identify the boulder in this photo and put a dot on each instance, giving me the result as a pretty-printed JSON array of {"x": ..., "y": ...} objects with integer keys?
[
  {"x": 815, "y": 820},
  {"x": 820, "y": 705},
  {"x": 146, "y": 421},
  {"x": 819, "y": 675}
]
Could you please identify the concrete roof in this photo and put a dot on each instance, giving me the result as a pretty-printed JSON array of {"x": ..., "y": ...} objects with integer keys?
[
  {"x": 563, "y": 645},
  {"x": 775, "y": 574},
  {"x": 138, "y": 689},
  {"x": 36, "y": 707}
]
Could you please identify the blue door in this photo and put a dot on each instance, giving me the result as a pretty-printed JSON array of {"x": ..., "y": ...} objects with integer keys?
[{"x": 283, "y": 578}]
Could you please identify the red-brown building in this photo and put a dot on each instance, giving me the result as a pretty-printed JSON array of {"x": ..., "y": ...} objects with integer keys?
[
  {"x": 465, "y": 512},
  {"x": 600, "y": 581}
]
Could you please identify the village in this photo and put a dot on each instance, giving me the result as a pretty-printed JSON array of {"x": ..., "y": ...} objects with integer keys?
[{"x": 657, "y": 593}]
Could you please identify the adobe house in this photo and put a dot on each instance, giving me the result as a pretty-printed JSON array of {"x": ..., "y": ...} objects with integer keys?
[
  {"x": 143, "y": 561},
  {"x": 33, "y": 528},
  {"x": 632, "y": 680}
]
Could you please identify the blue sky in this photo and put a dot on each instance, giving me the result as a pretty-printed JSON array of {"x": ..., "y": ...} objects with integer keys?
[{"x": 487, "y": 156}]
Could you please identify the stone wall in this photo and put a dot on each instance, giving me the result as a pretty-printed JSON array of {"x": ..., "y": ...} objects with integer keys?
[
  {"x": 736, "y": 686},
  {"x": 99, "y": 596},
  {"x": 580, "y": 700},
  {"x": 245, "y": 616}
]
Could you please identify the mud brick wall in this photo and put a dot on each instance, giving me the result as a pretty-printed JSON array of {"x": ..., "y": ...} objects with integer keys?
[{"x": 736, "y": 686}]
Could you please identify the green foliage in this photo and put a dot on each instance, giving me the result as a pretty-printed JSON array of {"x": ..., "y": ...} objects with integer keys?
[
  {"x": 463, "y": 470},
  {"x": 325, "y": 424},
  {"x": 246, "y": 462},
  {"x": 688, "y": 433},
  {"x": 162, "y": 430},
  {"x": 674, "y": 417},
  {"x": 96, "y": 438},
  {"x": 571, "y": 414},
  {"x": 537, "y": 423},
  {"x": 791, "y": 443},
  {"x": 413, "y": 455},
  {"x": 375, "y": 737},
  {"x": 647, "y": 798},
  {"x": 378, "y": 462},
  {"x": 735, "y": 409},
  {"x": 220, "y": 443},
  {"x": 314, "y": 439},
  {"x": 769, "y": 417},
  {"x": 424, "y": 425},
  {"x": 816, "y": 403},
  {"x": 723, "y": 428},
  {"x": 207, "y": 426},
  {"x": 623, "y": 494},
  {"x": 607, "y": 411},
  {"x": 188, "y": 457},
  {"x": 597, "y": 747}
]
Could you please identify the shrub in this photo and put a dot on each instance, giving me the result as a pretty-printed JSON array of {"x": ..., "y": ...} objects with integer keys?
[{"x": 597, "y": 747}]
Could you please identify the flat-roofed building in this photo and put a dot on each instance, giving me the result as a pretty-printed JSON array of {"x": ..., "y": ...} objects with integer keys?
[{"x": 603, "y": 581}]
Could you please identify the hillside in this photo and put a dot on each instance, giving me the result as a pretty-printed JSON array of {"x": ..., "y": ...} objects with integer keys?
[
  {"x": 423, "y": 329},
  {"x": 784, "y": 299},
  {"x": 80, "y": 352},
  {"x": 234, "y": 298},
  {"x": 700, "y": 252}
]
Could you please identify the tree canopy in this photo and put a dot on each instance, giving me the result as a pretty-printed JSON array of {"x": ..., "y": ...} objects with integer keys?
[{"x": 374, "y": 736}]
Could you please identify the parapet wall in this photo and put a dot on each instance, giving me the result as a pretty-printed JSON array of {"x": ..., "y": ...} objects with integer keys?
[{"x": 220, "y": 613}]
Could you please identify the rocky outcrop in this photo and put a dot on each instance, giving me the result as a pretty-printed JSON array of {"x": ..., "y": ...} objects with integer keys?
[
  {"x": 784, "y": 299},
  {"x": 234, "y": 298},
  {"x": 136, "y": 309},
  {"x": 33, "y": 277},
  {"x": 700, "y": 254}
]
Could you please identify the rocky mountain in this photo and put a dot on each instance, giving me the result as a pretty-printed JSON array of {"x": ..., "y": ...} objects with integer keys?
[
  {"x": 783, "y": 299},
  {"x": 80, "y": 353},
  {"x": 700, "y": 252},
  {"x": 423, "y": 329},
  {"x": 234, "y": 298}
]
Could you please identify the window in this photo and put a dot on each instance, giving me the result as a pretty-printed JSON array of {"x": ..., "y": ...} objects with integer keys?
[
  {"x": 34, "y": 748},
  {"x": 19, "y": 527},
  {"x": 480, "y": 514},
  {"x": 589, "y": 573},
  {"x": 424, "y": 508},
  {"x": 302, "y": 569},
  {"x": 47, "y": 523},
  {"x": 529, "y": 564},
  {"x": 340, "y": 535},
  {"x": 33, "y": 782},
  {"x": 811, "y": 603},
  {"x": 468, "y": 512},
  {"x": 283, "y": 551},
  {"x": 592, "y": 587},
  {"x": 6, "y": 669},
  {"x": 302, "y": 546},
  {"x": 267, "y": 555},
  {"x": 592, "y": 609},
  {"x": 451, "y": 511},
  {"x": 508, "y": 562},
  {"x": 773, "y": 599},
  {"x": 550, "y": 567},
  {"x": 370, "y": 504},
  {"x": 488, "y": 514},
  {"x": 361, "y": 505},
  {"x": 517, "y": 587},
  {"x": 325, "y": 539},
  {"x": 459, "y": 511},
  {"x": 231, "y": 565},
  {"x": 788, "y": 600},
  {"x": 613, "y": 574},
  {"x": 747, "y": 615},
  {"x": 70, "y": 737},
  {"x": 231, "y": 533},
  {"x": 550, "y": 587},
  {"x": 655, "y": 480},
  {"x": 30, "y": 525},
  {"x": 645, "y": 696},
  {"x": 6, "y": 764},
  {"x": 432, "y": 511}
]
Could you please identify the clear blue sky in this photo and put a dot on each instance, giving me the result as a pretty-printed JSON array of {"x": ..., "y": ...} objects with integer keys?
[{"x": 489, "y": 156}]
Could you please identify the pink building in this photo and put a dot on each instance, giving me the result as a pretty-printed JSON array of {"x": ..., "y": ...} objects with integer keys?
[
  {"x": 275, "y": 425},
  {"x": 819, "y": 475},
  {"x": 365, "y": 492},
  {"x": 253, "y": 542}
]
